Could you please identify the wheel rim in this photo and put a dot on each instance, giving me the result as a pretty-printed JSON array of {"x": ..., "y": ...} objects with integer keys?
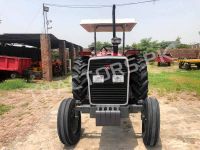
[
  {"x": 13, "y": 76},
  {"x": 32, "y": 77}
]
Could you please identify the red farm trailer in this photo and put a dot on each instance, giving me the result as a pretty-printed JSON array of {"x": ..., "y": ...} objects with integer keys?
[{"x": 14, "y": 65}]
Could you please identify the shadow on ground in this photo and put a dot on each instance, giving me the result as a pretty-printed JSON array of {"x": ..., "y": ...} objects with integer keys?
[
  {"x": 123, "y": 137},
  {"x": 119, "y": 137}
]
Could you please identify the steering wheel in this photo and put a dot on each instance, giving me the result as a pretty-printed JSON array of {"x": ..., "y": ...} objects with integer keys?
[{"x": 105, "y": 47}]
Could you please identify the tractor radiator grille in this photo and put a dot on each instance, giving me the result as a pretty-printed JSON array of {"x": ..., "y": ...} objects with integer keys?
[
  {"x": 108, "y": 92},
  {"x": 108, "y": 95}
]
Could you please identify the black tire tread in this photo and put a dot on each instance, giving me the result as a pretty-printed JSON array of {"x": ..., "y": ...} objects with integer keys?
[
  {"x": 71, "y": 139},
  {"x": 64, "y": 124},
  {"x": 79, "y": 78},
  {"x": 152, "y": 126},
  {"x": 138, "y": 78},
  {"x": 60, "y": 119}
]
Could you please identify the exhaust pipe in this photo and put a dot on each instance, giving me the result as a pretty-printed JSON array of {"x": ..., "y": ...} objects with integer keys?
[
  {"x": 115, "y": 41},
  {"x": 113, "y": 21}
]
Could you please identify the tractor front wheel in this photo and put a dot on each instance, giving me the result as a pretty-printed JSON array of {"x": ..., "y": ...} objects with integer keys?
[
  {"x": 151, "y": 122},
  {"x": 68, "y": 122}
]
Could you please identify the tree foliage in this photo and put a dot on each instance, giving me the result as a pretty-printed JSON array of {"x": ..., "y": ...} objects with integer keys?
[
  {"x": 100, "y": 45},
  {"x": 147, "y": 45}
]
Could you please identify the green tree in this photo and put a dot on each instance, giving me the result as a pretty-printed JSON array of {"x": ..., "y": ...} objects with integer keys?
[
  {"x": 134, "y": 46},
  {"x": 178, "y": 40},
  {"x": 100, "y": 45},
  {"x": 128, "y": 47},
  {"x": 148, "y": 45},
  {"x": 183, "y": 46},
  {"x": 164, "y": 44}
]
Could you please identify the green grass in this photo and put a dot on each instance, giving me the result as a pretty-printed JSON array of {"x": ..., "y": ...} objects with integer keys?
[
  {"x": 176, "y": 81},
  {"x": 4, "y": 109},
  {"x": 173, "y": 81},
  {"x": 14, "y": 84}
]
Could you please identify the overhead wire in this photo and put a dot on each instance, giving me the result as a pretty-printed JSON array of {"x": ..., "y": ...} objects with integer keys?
[
  {"x": 135, "y": 3},
  {"x": 99, "y": 6}
]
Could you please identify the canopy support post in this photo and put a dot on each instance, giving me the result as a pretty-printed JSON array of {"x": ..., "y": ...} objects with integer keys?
[
  {"x": 95, "y": 41},
  {"x": 123, "y": 38}
]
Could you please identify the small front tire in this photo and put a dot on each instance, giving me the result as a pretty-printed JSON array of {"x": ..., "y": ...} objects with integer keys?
[
  {"x": 151, "y": 122},
  {"x": 68, "y": 122}
]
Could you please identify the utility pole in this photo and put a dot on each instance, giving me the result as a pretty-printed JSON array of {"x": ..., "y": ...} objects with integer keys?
[{"x": 46, "y": 21}]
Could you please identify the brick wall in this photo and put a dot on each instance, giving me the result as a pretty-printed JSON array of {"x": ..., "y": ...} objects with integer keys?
[{"x": 183, "y": 53}]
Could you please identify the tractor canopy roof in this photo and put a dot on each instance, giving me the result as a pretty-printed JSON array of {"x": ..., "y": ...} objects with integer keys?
[{"x": 105, "y": 25}]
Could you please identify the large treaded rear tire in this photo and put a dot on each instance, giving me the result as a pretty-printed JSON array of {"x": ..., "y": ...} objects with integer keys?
[
  {"x": 68, "y": 122},
  {"x": 151, "y": 122},
  {"x": 138, "y": 78},
  {"x": 79, "y": 78}
]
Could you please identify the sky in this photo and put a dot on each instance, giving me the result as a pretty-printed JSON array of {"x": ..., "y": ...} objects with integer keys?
[{"x": 161, "y": 20}]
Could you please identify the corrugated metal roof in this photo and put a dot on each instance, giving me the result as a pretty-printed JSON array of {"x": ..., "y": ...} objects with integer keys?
[{"x": 31, "y": 40}]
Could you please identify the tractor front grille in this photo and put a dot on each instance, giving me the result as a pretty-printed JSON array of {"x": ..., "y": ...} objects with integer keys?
[
  {"x": 108, "y": 92},
  {"x": 108, "y": 95}
]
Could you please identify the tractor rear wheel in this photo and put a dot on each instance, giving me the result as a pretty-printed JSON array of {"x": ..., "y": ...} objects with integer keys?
[
  {"x": 138, "y": 78},
  {"x": 79, "y": 78},
  {"x": 150, "y": 122},
  {"x": 68, "y": 122}
]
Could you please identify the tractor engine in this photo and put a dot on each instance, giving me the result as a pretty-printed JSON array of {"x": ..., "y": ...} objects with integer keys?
[{"x": 108, "y": 80}]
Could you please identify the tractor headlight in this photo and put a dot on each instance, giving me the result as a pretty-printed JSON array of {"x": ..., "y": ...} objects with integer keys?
[
  {"x": 98, "y": 78},
  {"x": 117, "y": 78}
]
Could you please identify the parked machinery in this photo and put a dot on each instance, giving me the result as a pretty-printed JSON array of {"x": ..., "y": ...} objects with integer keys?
[
  {"x": 189, "y": 63},
  {"x": 15, "y": 66},
  {"x": 109, "y": 86},
  {"x": 165, "y": 59},
  {"x": 57, "y": 68}
]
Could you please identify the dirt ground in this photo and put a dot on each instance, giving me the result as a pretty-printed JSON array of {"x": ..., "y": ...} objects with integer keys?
[{"x": 31, "y": 124}]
